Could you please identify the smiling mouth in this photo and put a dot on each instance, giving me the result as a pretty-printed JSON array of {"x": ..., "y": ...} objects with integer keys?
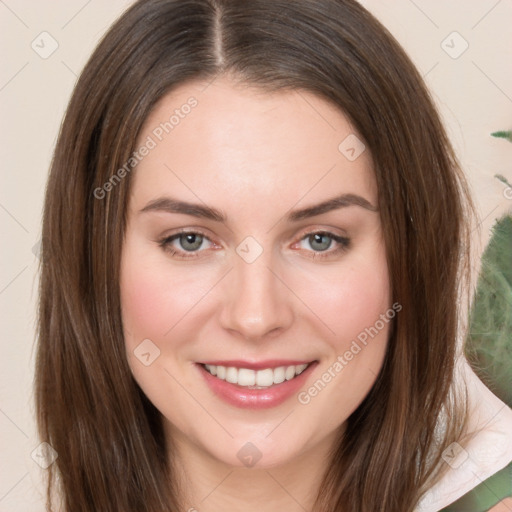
[{"x": 256, "y": 379}]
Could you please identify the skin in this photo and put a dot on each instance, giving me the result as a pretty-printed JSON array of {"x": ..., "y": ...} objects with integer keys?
[
  {"x": 255, "y": 156},
  {"x": 503, "y": 506}
]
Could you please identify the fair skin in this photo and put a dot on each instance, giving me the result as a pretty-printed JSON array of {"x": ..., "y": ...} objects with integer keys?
[
  {"x": 503, "y": 506},
  {"x": 254, "y": 156}
]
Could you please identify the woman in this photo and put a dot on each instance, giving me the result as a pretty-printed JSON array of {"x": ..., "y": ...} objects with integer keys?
[{"x": 253, "y": 368}]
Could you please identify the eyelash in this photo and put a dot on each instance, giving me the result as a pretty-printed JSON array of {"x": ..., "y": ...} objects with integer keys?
[{"x": 343, "y": 242}]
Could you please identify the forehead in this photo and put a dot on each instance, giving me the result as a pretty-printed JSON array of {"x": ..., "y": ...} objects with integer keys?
[{"x": 227, "y": 140}]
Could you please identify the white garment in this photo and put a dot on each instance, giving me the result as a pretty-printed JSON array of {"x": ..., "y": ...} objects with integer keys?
[{"x": 487, "y": 453}]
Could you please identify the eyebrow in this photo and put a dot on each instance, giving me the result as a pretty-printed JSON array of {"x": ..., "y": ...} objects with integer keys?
[{"x": 171, "y": 205}]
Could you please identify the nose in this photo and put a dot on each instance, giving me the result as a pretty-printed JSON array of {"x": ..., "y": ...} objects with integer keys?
[{"x": 258, "y": 301}]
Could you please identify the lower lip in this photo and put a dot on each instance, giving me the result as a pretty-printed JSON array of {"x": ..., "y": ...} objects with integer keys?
[{"x": 246, "y": 398}]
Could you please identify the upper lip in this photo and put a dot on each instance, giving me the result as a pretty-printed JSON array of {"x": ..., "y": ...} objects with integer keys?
[{"x": 257, "y": 365}]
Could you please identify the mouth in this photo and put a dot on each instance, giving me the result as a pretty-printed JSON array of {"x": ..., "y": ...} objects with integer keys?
[
  {"x": 265, "y": 376},
  {"x": 267, "y": 384}
]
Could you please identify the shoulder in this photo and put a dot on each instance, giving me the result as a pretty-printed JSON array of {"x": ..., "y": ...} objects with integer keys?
[
  {"x": 492, "y": 495},
  {"x": 483, "y": 463}
]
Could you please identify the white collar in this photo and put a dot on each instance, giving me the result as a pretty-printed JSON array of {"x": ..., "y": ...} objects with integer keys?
[{"x": 488, "y": 452}]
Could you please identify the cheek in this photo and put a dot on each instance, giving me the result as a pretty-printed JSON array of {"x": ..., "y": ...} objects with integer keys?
[
  {"x": 154, "y": 300},
  {"x": 356, "y": 306},
  {"x": 143, "y": 303},
  {"x": 155, "y": 297},
  {"x": 355, "y": 303},
  {"x": 362, "y": 297},
  {"x": 352, "y": 299}
]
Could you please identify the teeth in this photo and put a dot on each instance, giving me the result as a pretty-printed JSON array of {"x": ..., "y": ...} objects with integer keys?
[
  {"x": 255, "y": 379},
  {"x": 232, "y": 375},
  {"x": 246, "y": 377},
  {"x": 221, "y": 372}
]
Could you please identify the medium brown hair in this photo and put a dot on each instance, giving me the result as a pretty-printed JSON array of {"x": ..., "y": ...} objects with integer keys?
[{"x": 108, "y": 436}]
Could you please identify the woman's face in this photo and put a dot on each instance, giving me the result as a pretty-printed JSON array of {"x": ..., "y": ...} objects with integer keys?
[{"x": 229, "y": 260}]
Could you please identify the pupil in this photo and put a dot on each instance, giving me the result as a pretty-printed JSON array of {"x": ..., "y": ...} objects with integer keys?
[
  {"x": 190, "y": 238},
  {"x": 318, "y": 238}
]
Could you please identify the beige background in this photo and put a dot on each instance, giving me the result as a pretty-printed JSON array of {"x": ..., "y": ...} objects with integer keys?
[{"x": 473, "y": 92}]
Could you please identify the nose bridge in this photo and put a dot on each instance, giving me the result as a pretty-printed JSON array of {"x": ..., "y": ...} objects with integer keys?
[{"x": 258, "y": 301}]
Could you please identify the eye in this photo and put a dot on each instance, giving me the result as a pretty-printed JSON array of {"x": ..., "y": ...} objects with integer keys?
[
  {"x": 189, "y": 241},
  {"x": 322, "y": 241}
]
